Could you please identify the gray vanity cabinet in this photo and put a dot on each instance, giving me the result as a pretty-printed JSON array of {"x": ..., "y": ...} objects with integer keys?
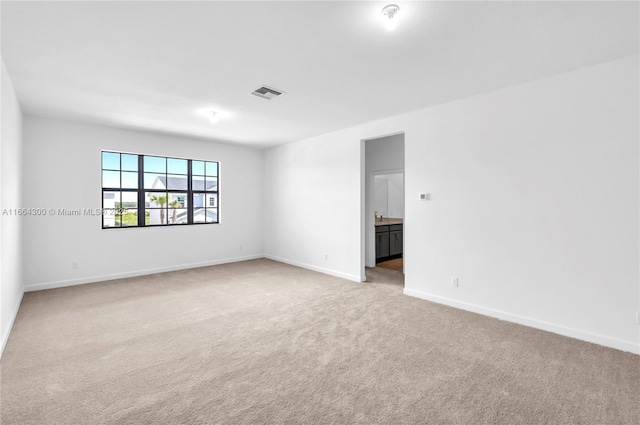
[
  {"x": 382, "y": 242},
  {"x": 388, "y": 242},
  {"x": 395, "y": 240}
]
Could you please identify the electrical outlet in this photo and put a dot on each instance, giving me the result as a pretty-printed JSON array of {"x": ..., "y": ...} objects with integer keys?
[
  {"x": 75, "y": 265},
  {"x": 240, "y": 248},
  {"x": 454, "y": 281},
  {"x": 326, "y": 256}
]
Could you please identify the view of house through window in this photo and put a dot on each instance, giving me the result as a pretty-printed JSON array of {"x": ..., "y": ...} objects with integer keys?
[{"x": 147, "y": 190}]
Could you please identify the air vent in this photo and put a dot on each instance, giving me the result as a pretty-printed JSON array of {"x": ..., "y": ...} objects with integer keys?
[{"x": 267, "y": 92}]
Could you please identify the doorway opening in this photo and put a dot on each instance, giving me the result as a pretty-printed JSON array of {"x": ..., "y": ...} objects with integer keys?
[{"x": 383, "y": 203}]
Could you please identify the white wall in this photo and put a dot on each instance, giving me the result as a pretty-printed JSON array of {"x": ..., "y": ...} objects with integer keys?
[
  {"x": 534, "y": 202},
  {"x": 312, "y": 198},
  {"x": 10, "y": 198},
  {"x": 62, "y": 170}
]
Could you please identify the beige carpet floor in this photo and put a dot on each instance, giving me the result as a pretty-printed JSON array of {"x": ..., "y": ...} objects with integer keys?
[{"x": 261, "y": 342}]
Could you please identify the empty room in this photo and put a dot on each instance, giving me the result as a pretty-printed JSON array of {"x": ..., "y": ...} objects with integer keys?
[{"x": 320, "y": 212}]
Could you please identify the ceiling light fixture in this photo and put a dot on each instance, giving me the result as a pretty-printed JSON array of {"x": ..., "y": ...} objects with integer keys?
[
  {"x": 213, "y": 114},
  {"x": 390, "y": 11}
]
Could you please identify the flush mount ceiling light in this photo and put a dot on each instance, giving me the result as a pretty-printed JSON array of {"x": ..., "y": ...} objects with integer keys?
[
  {"x": 390, "y": 11},
  {"x": 213, "y": 115}
]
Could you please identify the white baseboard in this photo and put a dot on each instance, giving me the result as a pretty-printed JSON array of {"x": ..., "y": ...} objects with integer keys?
[
  {"x": 527, "y": 321},
  {"x": 7, "y": 330},
  {"x": 352, "y": 277},
  {"x": 100, "y": 278}
]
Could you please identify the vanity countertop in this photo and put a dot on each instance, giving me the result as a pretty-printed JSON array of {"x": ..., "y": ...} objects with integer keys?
[{"x": 388, "y": 221}]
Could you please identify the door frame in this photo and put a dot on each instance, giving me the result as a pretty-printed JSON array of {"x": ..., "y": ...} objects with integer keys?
[
  {"x": 370, "y": 236},
  {"x": 367, "y": 228}
]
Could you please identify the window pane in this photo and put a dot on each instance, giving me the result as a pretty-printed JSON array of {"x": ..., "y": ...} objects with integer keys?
[
  {"x": 197, "y": 183},
  {"x": 177, "y": 216},
  {"x": 155, "y": 181},
  {"x": 129, "y": 199},
  {"x": 129, "y": 162},
  {"x": 175, "y": 182},
  {"x": 110, "y": 199},
  {"x": 199, "y": 215},
  {"x": 156, "y": 216},
  {"x": 110, "y": 161},
  {"x": 212, "y": 168},
  {"x": 177, "y": 200},
  {"x": 197, "y": 168},
  {"x": 176, "y": 166},
  {"x": 129, "y": 217},
  {"x": 177, "y": 208},
  {"x": 109, "y": 220},
  {"x": 129, "y": 180},
  {"x": 198, "y": 200},
  {"x": 212, "y": 183},
  {"x": 155, "y": 164},
  {"x": 212, "y": 215},
  {"x": 111, "y": 179},
  {"x": 156, "y": 199}
]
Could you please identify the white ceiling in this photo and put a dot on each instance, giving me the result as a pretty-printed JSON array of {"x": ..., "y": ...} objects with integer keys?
[{"x": 157, "y": 65}]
